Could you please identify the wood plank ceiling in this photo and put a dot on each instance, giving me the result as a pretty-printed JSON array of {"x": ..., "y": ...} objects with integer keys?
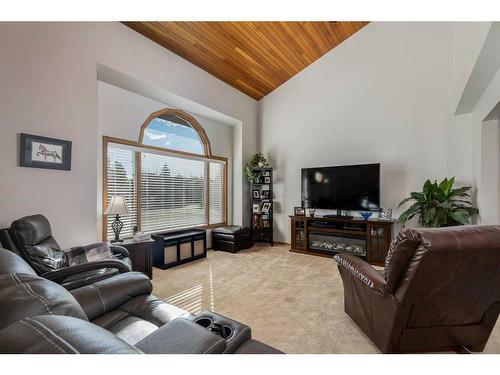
[{"x": 253, "y": 57}]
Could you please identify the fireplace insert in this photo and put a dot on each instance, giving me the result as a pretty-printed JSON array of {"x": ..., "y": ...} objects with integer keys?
[{"x": 337, "y": 244}]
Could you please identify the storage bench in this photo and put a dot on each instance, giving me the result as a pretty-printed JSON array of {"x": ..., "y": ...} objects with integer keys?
[{"x": 174, "y": 248}]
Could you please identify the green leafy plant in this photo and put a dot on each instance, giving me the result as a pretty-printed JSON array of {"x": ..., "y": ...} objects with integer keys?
[
  {"x": 256, "y": 161},
  {"x": 439, "y": 205}
]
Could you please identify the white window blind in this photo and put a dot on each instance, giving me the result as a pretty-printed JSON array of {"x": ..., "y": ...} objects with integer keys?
[
  {"x": 173, "y": 192},
  {"x": 173, "y": 189},
  {"x": 121, "y": 180},
  {"x": 216, "y": 188}
]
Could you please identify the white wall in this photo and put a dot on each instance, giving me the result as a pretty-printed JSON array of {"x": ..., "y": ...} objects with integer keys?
[
  {"x": 48, "y": 87},
  {"x": 485, "y": 67},
  {"x": 490, "y": 172},
  {"x": 48, "y": 80},
  {"x": 121, "y": 114},
  {"x": 384, "y": 95},
  {"x": 468, "y": 38},
  {"x": 484, "y": 109}
]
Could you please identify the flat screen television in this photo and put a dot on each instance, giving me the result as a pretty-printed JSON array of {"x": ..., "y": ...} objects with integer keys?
[{"x": 350, "y": 187}]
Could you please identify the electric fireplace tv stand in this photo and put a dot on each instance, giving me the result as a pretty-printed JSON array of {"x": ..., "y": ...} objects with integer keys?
[{"x": 327, "y": 236}]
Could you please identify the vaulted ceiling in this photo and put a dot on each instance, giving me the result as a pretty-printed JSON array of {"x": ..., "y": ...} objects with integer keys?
[{"x": 253, "y": 57}]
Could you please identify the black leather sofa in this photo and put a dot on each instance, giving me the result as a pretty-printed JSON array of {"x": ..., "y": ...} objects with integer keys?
[
  {"x": 115, "y": 315},
  {"x": 31, "y": 238}
]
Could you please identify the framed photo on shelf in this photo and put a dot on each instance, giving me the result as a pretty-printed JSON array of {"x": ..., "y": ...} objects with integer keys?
[
  {"x": 256, "y": 222},
  {"x": 385, "y": 214},
  {"x": 256, "y": 208},
  {"x": 256, "y": 194},
  {"x": 42, "y": 152},
  {"x": 265, "y": 194},
  {"x": 267, "y": 179},
  {"x": 299, "y": 211},
  {"x": 266, "y": 207}
]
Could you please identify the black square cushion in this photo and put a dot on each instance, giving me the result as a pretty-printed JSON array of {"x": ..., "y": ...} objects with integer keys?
[
  {"x": 232, "y": 233},
  {"x": 232, "y": 238}
]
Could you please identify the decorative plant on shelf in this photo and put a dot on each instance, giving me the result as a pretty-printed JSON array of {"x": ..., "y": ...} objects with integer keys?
[
  {"x": 256, "y": 161},
  {"x": 439, "y": 205}
]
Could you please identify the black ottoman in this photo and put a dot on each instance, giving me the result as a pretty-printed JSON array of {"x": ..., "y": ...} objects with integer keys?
[{"x": 232, "y": 238}]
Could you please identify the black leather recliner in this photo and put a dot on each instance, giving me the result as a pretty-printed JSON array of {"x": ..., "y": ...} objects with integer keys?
[
  {"x": 115, "y": 315},
  {"x": 31, "y": 238}
]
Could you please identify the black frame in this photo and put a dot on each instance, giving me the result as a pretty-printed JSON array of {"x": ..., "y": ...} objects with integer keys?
[
  {"x": 266, "y": 205},
  {"x": 25, "y": 150}
]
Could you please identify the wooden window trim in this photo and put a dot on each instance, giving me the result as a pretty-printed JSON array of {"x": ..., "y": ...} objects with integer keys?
[
  {"x": 185, "y": 116},
  {"x": 106, "y": 140}
]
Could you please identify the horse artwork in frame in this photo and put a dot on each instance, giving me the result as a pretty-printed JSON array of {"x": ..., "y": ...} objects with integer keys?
[{"x": 43, "y": 152}]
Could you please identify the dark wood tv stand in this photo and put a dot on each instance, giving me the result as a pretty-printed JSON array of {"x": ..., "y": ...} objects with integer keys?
[{"x": 369, "y": 239}]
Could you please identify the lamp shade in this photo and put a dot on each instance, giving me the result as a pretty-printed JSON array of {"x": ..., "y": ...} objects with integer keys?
[{"x": 117, "y": 206}]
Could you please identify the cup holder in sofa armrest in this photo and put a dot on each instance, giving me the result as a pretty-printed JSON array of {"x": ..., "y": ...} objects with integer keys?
[
  {"x": 235, "y": 332},
  {"x": 224, "y": 331},
  {"x": 204, "y": 321}
]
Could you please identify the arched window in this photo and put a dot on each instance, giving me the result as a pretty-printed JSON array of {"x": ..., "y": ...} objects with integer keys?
[
  {"x": 169, "y": 178},
  {"x": 175, "y": 130}
]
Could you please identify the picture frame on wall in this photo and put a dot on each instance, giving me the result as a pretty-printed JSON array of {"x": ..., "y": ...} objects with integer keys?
[
  {"x": 43, "y": 152},
  {"x": 256, "y": 194},
  {"x": 267, "y": 180},
  {"x": 256, "y": 208}
]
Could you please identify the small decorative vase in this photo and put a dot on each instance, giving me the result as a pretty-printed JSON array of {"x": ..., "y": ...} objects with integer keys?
[{"x": 365, "y": 215}]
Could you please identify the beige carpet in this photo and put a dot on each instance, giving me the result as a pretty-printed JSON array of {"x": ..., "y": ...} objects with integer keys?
[{"x": 291, "y": 301}]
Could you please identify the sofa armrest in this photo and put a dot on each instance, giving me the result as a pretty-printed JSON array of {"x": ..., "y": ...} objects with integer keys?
[
  {"x": 182, "y": 336},
  {"x": 58, "y": 334},
  {"x": 105, "y": 295},
  {"x": 120, "y": 251},
  {"x": 62, "y": 273},
  {"x": 361, "y": 270}
]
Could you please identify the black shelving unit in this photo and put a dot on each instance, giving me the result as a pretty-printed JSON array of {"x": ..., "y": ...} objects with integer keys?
[{"x": 262, "y": 222}]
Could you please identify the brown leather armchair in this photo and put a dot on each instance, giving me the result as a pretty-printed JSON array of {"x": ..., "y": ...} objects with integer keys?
[{"x": 439, "y": 290}]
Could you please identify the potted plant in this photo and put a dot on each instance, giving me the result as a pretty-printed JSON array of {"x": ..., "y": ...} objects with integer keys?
[
  {"x": 440, "y": 205},
  {"x": 256, "y": 161}
]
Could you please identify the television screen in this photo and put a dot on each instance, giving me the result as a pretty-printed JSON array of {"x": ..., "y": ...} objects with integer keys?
[{"x": 351, "y": 187}]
